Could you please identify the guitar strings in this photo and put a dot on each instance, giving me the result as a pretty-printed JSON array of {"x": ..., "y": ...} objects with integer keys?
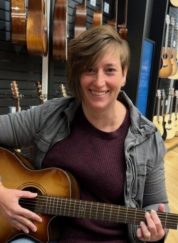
[{"x": 115, "y": 212}]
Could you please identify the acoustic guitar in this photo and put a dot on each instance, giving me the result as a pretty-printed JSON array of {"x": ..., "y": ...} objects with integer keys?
[
  {"x": 158, "y": 119},
  {"x": 163, "y": 113},
  {"x": 175, "y": 114},
  {"x": 36, "y": 31},
  {"x": 15, "y": 95},
  {"x": 174, "y": 3},
  {"x": 60, "y": 30},
  {"x": 18, "y": 21},
  {"x": 175, "y": 76},
  {"x": 172, "y": 48},
  {"x": 80, "y": 18},
  {"x": 122, "y": 19},
  {"x": 169, "y": 121},
  {"x": 39, "y": 91},
  {"x": 58, "y": 195},
  {"x": 97, "y": 14},
  {"x": 166, "y": 65}
]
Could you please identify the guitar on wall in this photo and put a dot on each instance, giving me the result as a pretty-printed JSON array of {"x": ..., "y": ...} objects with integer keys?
[
  {"x": 174, "y": 3},
  {"x": 163, "y": 113},
  {"x": 39, "y": 92},
  {"x": 158, "y": 119},
  {"x": 80, "y": 18},
  {"x": 169, "y": 121},
  {"x": 175, "y": 76},
  {"x": 97, "y": 18},
  {"x": 58, "y": 194},
  {"x": 172, "y": 48},
  {"x": 36, "y": 30},
  {"x": 18, "y": 21},
  {"x": 166, "y": 65},
  {"x": 175, "y": 114},
  {"x": 15, "y": 95},
  {"x": 60, "y": 30}
]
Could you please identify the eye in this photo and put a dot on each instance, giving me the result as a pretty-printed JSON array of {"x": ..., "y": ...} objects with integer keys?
[
  {"x": 90, "y": 70},
  {"x": 110, "y": 70}
]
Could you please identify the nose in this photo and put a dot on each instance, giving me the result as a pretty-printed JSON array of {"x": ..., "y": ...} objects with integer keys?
[{"x": 99, "y": 78}]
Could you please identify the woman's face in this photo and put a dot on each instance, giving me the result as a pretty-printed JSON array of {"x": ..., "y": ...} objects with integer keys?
[{"x": 101, "y": 83}]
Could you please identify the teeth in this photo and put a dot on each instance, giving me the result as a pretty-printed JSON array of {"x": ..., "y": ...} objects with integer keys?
[{"x": 98, "y": 93}]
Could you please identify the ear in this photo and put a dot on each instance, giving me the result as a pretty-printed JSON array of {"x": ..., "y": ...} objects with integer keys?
[{"x": 124, "y": 76}]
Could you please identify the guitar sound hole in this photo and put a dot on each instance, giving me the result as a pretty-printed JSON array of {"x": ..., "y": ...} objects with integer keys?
[{"x": 29, "y": 203}]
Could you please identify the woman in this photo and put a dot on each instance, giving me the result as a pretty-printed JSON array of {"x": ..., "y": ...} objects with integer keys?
[{"x": 100, "y": 137}]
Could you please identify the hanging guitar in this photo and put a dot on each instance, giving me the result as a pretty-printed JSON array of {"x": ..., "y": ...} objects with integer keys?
[
  {"x": 39, "y": 92},
  {"x": 175, "y": 114},
  {"x": 163, "y": 113},
  {"x": 166, "y": 66},
  {"x": 122, "y": 19},
  {"x": 169, "y": 121},
  {"x": 174, "y": 3},
  {"x": 58, "y": 194},
  {"x": 36, "y": 31},
  {"x": 97, "y": 14},
  {"x": 15, "y": 95},
  {"x": 18, "y": 21},
  {"x": 175, "y": 76},
  {"x": 172, "y": 49},
  {"x": 60, "y": 30},
  {"x": 158, "y": 119},
  {"x": 80, "y": 18}
]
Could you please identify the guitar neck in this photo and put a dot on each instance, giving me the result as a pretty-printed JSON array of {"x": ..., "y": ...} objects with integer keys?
[{"x": 94, "y": 210}]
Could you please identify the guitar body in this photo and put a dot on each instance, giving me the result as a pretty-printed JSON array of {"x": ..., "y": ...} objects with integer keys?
[
  {"x": 174, "y": 3},
  {"x": 60, "y": 30},
  {"x": 173, "y": 62},
  {"x": 170, "y": 126},
  {"x": 97, "y": 18},
  {"x": 80, "y": 19},
  {"x": 158, "y": 122},
  {"x": 175, "y": 76},
  {"x": 47, "y": 181},
  {"x": 36, "y": 28},
  {"x": 18, "y": 21},
  {"x": 166, "y": 65}
]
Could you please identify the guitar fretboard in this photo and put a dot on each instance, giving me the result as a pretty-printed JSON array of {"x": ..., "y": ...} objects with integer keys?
[{"x": 94, "y": 210}]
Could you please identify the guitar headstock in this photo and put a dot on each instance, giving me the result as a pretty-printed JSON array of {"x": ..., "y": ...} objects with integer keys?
[
  {"x": 172, "y": 21},
  {"x": 168, "y": 19},
  {"x": 176, "y": 93},
  {"x": 171, "y": 92},
  {"x": 62, "y": 90},
  {"x": 15, "y": 94},
  {"x": 39, "y": 91},
  {"x": 158, "y": 93}
]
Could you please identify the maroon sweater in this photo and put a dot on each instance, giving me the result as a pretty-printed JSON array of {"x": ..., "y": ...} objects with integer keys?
[{"x": 96, "y": 159}]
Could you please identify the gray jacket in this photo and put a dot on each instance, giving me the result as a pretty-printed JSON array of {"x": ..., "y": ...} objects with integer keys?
[{"x": 44, "y": 125}]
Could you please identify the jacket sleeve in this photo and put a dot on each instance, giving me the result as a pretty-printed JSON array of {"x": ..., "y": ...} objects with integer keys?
[
  {"x": 18, "y": 129},
  {"x": 155, "y": 188}
]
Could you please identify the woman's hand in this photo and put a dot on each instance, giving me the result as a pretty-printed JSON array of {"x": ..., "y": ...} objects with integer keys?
[
  {"x": 152, "y": 230},
  {"x": 19, "y": 217}
]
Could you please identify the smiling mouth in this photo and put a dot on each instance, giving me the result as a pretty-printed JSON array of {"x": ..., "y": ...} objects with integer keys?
[{"x": 98, "y": 93}]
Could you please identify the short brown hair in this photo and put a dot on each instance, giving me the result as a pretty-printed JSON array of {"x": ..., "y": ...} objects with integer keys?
[{"x": 87, "y": 48}]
